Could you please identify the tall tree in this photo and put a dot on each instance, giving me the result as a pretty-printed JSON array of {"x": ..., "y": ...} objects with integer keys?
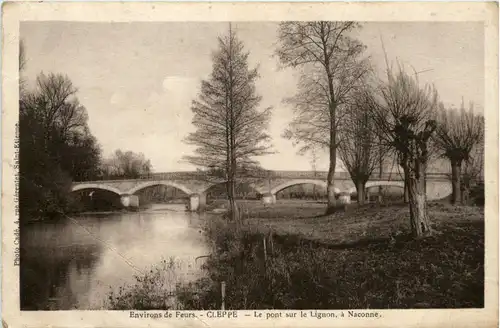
[
  {"x": 458, "y": 132},
  {"x": 55, "y": 106},
  {"x": 230, "y": 127},
  {"x": 403, "y": 115},
  {"x": 56, "y": 146},
  {"x": 359, "y": 150},
  {"x": 331, "y": 68},
  {"x": 314, "y": 161}
]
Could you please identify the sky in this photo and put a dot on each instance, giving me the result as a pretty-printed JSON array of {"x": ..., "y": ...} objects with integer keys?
[{"x": 137, "y": 80}]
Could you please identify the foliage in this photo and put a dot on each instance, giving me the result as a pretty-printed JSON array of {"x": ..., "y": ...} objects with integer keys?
[
  {"x": 403, "y": 114},
  {"x": 458, "y": 131},
  {"x": 56, "y": 146},
  {"x": 230, "y": 128},
  {"x": 226, "y": 115},
  {"x": 359, "y": 150},
  {"x": 126, "y": 165},
  {"x": 152, "y": 290},
  {"x": 477, "y": 194},
  {"x": 458, "y": 134},
  {"x": 331, "y": 68}
]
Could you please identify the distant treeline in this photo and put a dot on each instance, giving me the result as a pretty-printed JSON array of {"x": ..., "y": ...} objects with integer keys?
[
  {"x": 161, "y": 194},
  {"x": 301, "y": 191},
  {"x": 243, "y": 191},
  {"x": 313, "y": 192}
]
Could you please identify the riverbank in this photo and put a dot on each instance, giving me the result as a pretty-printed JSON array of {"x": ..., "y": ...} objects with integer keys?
[{"x": 289, "y": 256}]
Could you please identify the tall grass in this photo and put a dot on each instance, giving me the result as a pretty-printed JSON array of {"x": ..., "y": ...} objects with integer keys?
[{"x": 155, "y": 289}]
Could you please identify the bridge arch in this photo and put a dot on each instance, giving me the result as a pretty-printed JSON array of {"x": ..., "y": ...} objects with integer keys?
[
  {"x": 96, "y": 186},
  {"x": 291, "y": 183},
  {"x": 250, "y": 185},
  {"x": 371, "y": 184},
  {"x": 147, "y": 184},
  {"x": 437, "y": 190}
]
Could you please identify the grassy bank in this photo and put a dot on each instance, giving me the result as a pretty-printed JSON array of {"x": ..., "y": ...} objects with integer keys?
[
  {"x": 362, "y": 258},
  {"x": 368, "y": 223}
]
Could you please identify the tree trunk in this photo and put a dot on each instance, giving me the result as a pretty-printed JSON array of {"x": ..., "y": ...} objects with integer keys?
[
  {"x": 330, "y": 189},
  {"x": 464, "y": 196},
  {"x": 406, "y": 197},
  {"x": 233, "y": 206},
  {"x": 380, "y": 175},
  {"x": 231, "y": 190},
  {"x": 455, "y": 182},
  {"x": 419, "y": 219},
  {"x": 360, "y": 189},
  {"x": 425, "y": 182}
]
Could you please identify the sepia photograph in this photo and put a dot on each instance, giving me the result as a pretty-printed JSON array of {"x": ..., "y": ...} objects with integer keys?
[{"x": 234, "y": 164}]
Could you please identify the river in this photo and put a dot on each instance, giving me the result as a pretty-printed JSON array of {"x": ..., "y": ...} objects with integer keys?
[{"x": 75, "y": 263}]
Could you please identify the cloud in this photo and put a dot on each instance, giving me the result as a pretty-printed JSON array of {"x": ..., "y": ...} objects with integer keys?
[
  {"x": 178, "y": 92},
  {"x": 116, "y": 99}
]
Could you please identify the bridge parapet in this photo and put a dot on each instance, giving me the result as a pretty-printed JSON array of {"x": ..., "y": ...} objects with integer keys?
[{"x": 321, "y": 175}]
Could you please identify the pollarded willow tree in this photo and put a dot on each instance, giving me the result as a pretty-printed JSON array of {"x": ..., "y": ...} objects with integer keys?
[
  {"x": 458, "y": 132},
  {"x": 331, "y": 67},
  {"x": 230, "y": 126},
  {"x": 359, "y": 149},
  {"x": 403, "y": 115}
]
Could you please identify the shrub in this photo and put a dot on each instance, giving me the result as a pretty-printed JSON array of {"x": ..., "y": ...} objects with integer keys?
[
  {"x": 152, "y": 290},
  {"x": 477, "y": 195}
]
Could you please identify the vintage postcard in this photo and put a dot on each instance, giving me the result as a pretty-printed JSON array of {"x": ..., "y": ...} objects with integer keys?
[{"x": 249, "y": 164}]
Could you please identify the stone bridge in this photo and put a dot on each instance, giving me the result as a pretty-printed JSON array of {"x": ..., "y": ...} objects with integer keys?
[{"x": 267, "y": 183}]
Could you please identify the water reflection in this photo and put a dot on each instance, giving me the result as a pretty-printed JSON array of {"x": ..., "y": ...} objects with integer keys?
[{"x": 73, "y": 265}]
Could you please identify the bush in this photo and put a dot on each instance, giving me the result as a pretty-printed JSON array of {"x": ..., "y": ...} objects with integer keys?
[
  {"x": 477, "y": 195},
  {"x": 153, "y": 290}
]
